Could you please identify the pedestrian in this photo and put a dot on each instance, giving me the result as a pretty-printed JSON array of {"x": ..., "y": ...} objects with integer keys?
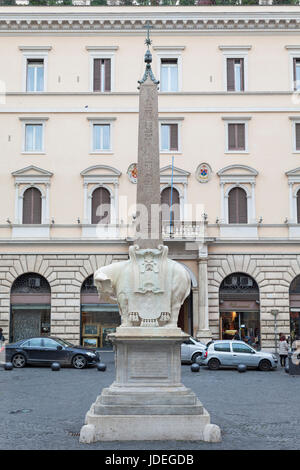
[
  {"x": 2, "y": 339},
  {"x": 283, "y": 350},
  {"x": 237, "y": 336}
]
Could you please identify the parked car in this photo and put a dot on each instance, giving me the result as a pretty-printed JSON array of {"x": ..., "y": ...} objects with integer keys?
[
  {"x": 45, "y": 350},
  {"x": 192, "y": 349},
  {"x": 232, "y": 353}
]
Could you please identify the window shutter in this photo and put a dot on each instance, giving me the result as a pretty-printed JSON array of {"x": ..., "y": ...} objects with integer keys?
[
  {"x": 100, "y": 198},
  {"x": 174, "y": 137},
  {"x": 166, "y": 204},
  {"x": 242, "y": 75},
  {"x": 32, "y": 206},
  {"x": 230, "y": 75},
  {"x": 97, "y": 74},
  {"x": 232, "y": 207},
  {"x": 298, "y": 207},
  {"x": 242, "y": 206},
  {"x": 240, "y": 136},
  {"x": 107, "y": 68},
  {"x": 231, "y": 137},
  {"x": 295, "y": 77},
  {"x": 237, "y": 206},
  {"x": 297, "y": 132}
]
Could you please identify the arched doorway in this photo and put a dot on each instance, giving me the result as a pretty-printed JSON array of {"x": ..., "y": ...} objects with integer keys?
[
  {"x": 30, "y": 307},
  {"x": 295, "y": 308},
  {"x": 97, "y": 319},
  {"x": 239, "y": 308}
]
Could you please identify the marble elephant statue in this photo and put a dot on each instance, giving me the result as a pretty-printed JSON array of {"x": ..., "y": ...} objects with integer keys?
[{"x": 117, "y": 281}]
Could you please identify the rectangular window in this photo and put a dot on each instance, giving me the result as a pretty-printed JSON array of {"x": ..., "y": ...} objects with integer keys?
[
  {"x": 102, "y": 75},
  {"x": 169, "y": 75},
  {"x": 296, "y": 63},
  {"x": 236, "y": 137},
  {"x": 33, "y": 137},
  {"x": 235, "y": 75},
  {"x": 297, "y": 136},
  {"x": 101, "y": 137},
  {"x": 35, "y": 75},
  {"x": 169, "y": 137}
]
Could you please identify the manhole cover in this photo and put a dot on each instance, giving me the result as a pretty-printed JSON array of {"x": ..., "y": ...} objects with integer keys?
[{"x": 20, "y": 411}]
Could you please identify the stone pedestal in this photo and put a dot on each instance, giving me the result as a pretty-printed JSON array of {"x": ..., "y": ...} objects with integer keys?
[{"x": 147, "y": 401}]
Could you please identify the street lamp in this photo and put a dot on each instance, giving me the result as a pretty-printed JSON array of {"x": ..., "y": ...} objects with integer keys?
[{"x": 275, "y": 313}]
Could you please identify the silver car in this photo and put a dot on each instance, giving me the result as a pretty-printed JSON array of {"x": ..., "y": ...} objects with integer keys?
[
  {"x": 232, "y": 353},
  {"x": 192, "y": 349}
]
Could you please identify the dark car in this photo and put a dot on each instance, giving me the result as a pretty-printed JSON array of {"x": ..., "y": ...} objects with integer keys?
[{"x": 45, "y": 350}]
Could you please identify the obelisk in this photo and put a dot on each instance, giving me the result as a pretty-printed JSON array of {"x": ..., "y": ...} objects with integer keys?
[{"x": 148, "y": 181}]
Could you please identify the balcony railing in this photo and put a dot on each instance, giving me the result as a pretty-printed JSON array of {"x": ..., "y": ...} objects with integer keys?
[{"x": 146, "y": 2}]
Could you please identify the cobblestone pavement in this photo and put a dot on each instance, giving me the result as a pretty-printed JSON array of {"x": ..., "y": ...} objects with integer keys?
[{"x": 41, "y": 409}]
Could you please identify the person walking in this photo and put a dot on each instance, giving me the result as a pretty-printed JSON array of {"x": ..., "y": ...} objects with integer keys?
[
  {"x": 2, "y": 339},
  {"x": 283, "y": 350}
]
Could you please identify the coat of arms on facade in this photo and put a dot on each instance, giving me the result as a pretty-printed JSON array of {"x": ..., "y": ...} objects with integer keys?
[
  {"x": 132, "y": 173},
  {"x": 203, "y": 173}
]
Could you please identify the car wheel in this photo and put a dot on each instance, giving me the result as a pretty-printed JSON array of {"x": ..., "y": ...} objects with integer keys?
[
  {"x": 79, "y": 362},
  {"x": 214, "y": 364},
  {"x": 19, "y": 361},
  {"x": 264, "y": 365},
  {"x": 195, "y": 357}
]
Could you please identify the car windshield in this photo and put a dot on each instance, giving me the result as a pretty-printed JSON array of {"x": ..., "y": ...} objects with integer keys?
[{"x": 63, "y": 342}]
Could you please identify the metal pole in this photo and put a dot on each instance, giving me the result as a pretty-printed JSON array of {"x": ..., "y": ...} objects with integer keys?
[
  {"x": 171, "y": 202},
  {"x": 275, "y": 313}
]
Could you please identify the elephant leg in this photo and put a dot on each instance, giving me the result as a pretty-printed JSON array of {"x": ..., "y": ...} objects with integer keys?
[{"x": 174, "y": 316}]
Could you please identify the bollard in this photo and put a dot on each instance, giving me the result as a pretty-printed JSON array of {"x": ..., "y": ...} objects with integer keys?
[
  {"x": 55, "y": 366},
  {"x": 8, "y": 366},
  {"x": 195, "y": 367},
  {"x": 241, "y": 368},
  {"x": 101, "y": 367}
]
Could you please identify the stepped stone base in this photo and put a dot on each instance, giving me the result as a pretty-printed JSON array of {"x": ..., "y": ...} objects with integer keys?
[{"x": 147, "y": 401}]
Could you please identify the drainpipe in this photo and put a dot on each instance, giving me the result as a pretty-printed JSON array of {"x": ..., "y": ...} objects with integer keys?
[{"x": 275, "y": 313}]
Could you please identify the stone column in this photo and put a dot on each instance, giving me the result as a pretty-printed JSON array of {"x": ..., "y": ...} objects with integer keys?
[{"x": 203, "y": 333}]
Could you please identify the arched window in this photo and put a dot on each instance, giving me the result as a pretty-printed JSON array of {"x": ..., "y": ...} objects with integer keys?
[
  {"x": 166, "y": 204},
  {"x": 237, "y": 206},
  {"x": 101, "y": 206},
  {"x": 32, "y": 206},
  {"x": 298, "y": 207}
]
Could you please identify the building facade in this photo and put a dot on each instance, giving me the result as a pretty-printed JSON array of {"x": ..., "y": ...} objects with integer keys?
[{"x": 229, "y": 114}]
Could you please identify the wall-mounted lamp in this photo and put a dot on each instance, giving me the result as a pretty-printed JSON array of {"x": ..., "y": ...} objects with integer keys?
[
  {"x": 286, "y": 220},
  {"x": 8, "y": 221},
  {"x": 78, "y": 220},
  {"x": 260, "y": 220},
  {"x": 52, "y": 221}
]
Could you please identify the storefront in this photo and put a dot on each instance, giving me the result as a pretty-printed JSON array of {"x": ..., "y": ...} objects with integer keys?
[
  {"x": 30, "y": 307},
  {"x": 239, "y": 309},
  {"x": 98, "y": 320},
  {"x": 295, "y": 308}
]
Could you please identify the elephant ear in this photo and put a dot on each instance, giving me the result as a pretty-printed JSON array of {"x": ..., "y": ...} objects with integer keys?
[{"x": 102, "y": 282}]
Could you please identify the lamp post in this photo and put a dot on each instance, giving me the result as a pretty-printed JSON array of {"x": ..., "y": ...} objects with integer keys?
[{"x": 275, "y": 313}]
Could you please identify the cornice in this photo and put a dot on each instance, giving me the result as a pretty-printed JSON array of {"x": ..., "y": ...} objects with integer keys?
[{"x": 56, "y": 20}]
